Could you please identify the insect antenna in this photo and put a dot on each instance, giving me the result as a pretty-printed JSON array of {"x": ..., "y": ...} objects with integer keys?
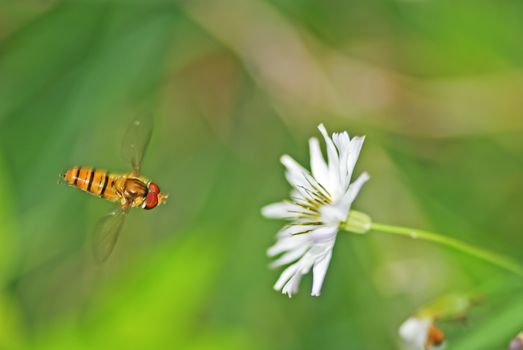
[{"x": 162, "y": 198}]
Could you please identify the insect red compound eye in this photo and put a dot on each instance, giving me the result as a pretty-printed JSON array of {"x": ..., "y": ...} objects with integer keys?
[
  {"x": 151, "y": 200},
  {"x": 154, "y": 188}
]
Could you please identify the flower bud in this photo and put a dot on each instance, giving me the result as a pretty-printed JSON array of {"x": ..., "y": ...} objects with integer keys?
[{"x": 357, "y": 222}]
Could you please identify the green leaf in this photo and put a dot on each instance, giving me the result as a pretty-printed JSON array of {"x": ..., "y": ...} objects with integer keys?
[
  {"x": 495, "y": 332},
  {"x": 10, "y": 323}
]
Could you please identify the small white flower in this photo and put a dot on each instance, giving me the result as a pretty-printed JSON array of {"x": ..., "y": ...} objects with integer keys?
[
  {"x": 319, "y": 204},
  {"x": 420, "y": 333}
]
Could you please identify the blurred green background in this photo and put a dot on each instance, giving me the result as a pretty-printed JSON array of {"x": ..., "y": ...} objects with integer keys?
[{"x": 435, "y": 85}]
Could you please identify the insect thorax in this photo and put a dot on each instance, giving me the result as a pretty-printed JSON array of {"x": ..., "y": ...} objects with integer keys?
[{"x": 134, "y": 191}]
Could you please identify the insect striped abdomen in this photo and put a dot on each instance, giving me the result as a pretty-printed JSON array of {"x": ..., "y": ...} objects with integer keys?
[
  {"x": 99, "y": 177},
  {"x": 84, "y": 178},
  {"x": 71, "y": 175},
  {"x": 95, "y": 181},
  {"x": 108, "y": 189}
]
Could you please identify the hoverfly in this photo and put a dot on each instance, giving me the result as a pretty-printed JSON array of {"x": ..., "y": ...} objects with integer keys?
[{"x": 126, "y": 190}]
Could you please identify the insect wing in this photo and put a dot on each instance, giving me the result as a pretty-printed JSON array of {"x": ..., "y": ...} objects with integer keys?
[
  {"x": 107, "y": 232},
  {"x": 136, "y": 141}
]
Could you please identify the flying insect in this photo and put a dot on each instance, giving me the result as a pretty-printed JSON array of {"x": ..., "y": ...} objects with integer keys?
[{"x": 130, "y": 190}]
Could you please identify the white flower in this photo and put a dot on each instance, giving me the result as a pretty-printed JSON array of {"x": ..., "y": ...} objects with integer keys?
[
  {"x": 420, "y": 333},
  {"x": 319, "y": 204}
]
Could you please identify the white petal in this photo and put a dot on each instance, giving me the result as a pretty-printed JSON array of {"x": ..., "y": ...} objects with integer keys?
[
  {"x": 289, "y": 257},
  {"x": 414, "y": 332},
  {"x": 355, "y": 188},
  {"x": 296, "y": 174},
  {"x": 323, "y": 235},
  {"x": 288, "y": 243},
  {"x": 286, "y": 275},
  {"x": 342, "y": 142},
  {"x": 296, "y": 230},
  {"x": 300, "y": 178},
  {"x": 318, "y": 166},
  {"x": 292, "y": 286},
  {"x": 318, "y": 273},
  {"x": 334, "y": 162},
  {"x": 334, "y": 214},
  {"x": 310, "y": 254},
  {"x": 354, "y": 152},
  {"x": 281, "y": 210}
]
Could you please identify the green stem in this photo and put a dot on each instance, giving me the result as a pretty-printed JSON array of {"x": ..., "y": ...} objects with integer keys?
[{"x": 485, "y": 255}]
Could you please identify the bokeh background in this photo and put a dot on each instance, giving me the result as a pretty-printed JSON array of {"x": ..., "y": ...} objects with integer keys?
[{"x": 435, "y": 85}]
